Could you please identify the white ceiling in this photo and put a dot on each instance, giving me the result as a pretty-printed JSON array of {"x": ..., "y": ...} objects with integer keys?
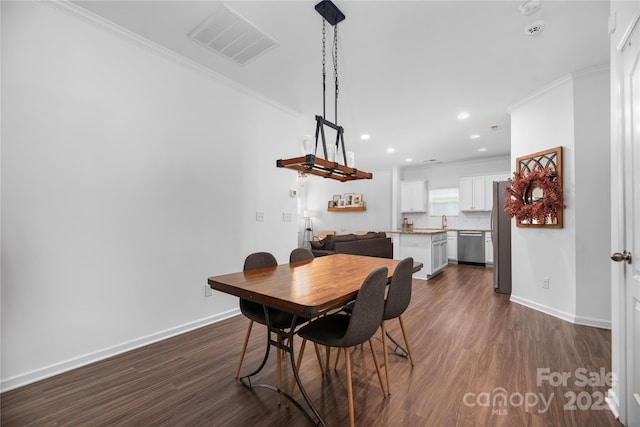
[{"x": 406, "y": 68}]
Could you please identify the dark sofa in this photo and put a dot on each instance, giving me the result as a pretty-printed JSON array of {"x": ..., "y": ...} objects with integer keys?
[{"x": 371, "y": 244}]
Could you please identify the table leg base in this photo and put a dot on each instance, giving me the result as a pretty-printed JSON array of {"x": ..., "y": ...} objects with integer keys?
[
  {"x": 284, "y": 342},
  {"x": 403, "y": 351}
]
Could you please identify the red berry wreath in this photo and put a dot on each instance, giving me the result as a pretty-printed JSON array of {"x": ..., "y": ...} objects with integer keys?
[{"x": 521, "y": 204}]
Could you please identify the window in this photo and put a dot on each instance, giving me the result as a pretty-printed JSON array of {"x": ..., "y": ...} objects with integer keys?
[{"x": 443, "y": 201}]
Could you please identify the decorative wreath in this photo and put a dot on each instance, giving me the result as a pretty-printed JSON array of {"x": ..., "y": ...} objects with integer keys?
[{"x": 522, "y": 204}]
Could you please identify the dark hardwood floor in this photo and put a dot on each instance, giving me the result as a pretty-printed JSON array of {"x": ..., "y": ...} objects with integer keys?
[{"x": 476, "y": 361}]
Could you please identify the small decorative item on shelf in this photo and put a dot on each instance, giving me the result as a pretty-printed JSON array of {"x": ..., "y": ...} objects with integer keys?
[
  {"x": 347, "y": 202},
  {"x": 536, "y": 198},
  {"x": 348, "y": 199}
]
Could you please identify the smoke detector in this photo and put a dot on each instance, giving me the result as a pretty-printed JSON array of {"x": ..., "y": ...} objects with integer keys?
[
  {"x": 534, "y": 29},
  {"x": 529, "y": 7}
]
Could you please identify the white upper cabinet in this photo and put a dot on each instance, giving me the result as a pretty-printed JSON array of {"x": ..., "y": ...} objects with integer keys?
[
  {"x": 489, "y": 180},
  {"x": 472, "y": 193},
  {"x": 413, "y": 196}
]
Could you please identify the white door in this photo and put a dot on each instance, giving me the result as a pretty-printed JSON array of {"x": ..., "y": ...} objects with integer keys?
[{"x": 628, "y": 255}]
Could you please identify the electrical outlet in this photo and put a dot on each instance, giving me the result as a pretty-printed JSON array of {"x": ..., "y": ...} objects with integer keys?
[
  {"x": 208, "y": 291},
  {"x": 545, "y": 282},
  {"x": 286, "y": 216},
  {"x": 259, "y": 216}
]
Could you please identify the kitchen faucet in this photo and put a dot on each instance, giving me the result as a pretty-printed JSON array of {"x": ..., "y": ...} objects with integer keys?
[{"x": 444, "y": 222}]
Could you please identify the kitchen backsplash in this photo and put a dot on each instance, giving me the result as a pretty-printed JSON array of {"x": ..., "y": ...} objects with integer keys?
[{"x": 472, "y": 220}]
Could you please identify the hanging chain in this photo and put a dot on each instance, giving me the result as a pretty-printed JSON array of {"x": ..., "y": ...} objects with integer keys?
[
  {"x": 324, "y": 72},
  {"x": 335, "y": 69}
]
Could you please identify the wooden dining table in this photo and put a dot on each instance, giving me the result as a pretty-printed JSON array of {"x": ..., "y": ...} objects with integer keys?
[{"x": 306, "y": 289}]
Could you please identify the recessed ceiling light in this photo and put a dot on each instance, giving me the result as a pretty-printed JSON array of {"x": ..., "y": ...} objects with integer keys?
[
  {"x": 482, "y": 149},
  {"x": 463, "y": 115},
  {"x": 474, "y": 136},
  {"x": 365, "y": 136},
  {"x": 391, "y": 150},
  {"x": 408, "y": 159}
]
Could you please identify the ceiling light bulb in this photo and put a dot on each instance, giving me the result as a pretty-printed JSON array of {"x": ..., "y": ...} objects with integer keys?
[
  {"x": 463, "y": 115},
  {"x": 474, "y": 136},
  {"x": 391, "y": 150},
  {"x": 365, "y": 136}
]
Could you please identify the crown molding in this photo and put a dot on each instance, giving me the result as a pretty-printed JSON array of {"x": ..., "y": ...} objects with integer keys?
[{"x": 102, "y": 23}]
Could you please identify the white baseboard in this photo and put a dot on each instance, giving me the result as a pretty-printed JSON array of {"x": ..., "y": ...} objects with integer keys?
[
  {"x": 578, "y": 320},
  {"x": 77, "y": 362},
  {"x": 613, "y": 403}
]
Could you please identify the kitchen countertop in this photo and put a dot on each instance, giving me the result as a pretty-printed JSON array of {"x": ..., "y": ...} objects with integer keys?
[{"x": 430, "y": 230}]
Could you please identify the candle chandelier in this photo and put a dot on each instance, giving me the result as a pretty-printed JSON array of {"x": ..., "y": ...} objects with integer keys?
[{"x": 327, "y": 167}]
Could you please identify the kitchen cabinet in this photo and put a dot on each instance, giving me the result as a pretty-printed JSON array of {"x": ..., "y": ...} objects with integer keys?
[
  {"x": 438, "y": 252},
  {"x": 413, "y": 196},
  {"x": 472, "y": 193},
  {"x": 452, "y": 246},
  {"x": 488, "y": 192},
  {"x": 488, "y": 248},
  {"x": 428, "y": 248}
]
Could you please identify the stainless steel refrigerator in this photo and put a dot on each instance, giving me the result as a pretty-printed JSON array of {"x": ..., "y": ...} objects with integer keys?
[{"x": 501, "y": 239}]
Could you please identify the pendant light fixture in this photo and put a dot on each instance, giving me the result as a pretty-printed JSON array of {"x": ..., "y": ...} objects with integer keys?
[{"x": 327, "y": 167}]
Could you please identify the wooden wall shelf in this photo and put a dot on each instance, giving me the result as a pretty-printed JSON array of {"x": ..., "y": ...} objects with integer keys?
[{"x": 348, "y": 209}]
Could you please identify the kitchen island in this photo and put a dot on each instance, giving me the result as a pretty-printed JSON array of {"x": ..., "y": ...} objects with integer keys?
[{"x": 425, "y": 245}]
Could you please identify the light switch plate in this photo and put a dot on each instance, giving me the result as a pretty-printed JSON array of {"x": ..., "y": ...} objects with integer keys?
[
  {"x": 286, "y": 216},
  {"x": 259, "y": 216}
]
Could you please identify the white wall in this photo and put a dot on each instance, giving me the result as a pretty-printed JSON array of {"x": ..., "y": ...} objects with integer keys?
[
  {"x": 592, "y": 168},
  {"x": 128, "y": 178},
  {"x": 376, "y": 193},
  {"x": 549, "y": 118}
]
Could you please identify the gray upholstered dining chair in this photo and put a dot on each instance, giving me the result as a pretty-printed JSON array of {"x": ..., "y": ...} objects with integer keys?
[
  {"x": 300, "y": 254},
  {"x": 253, "y": 311},
  {"x": 395, "y": 304},
  {"x": 344, "y": 331},
  {"x": 256, "y": 313},
  {"x": 303, "y": 254}
]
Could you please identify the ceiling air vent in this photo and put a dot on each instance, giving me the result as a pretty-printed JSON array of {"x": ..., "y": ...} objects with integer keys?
[{"x": 232, "y": 36}]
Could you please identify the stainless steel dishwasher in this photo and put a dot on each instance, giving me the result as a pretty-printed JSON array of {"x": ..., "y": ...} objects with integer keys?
[{"x": 471, "y": 247}]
